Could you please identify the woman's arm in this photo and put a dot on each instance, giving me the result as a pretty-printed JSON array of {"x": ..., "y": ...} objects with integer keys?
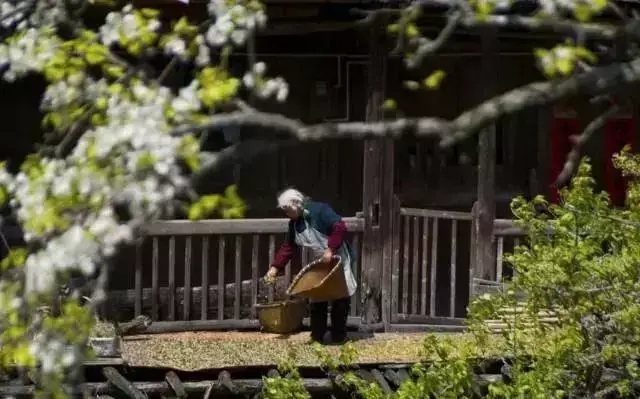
[
  {"x": 286, "y": 250},
  {"x": 338, "y": 231},
  {"x": 284, "y": 254}
]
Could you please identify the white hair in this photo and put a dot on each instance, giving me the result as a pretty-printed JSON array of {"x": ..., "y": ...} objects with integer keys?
[{"x": 291, "y": 198}]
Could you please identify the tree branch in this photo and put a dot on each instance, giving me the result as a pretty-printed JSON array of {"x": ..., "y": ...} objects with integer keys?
[
  {"x": 596, "y": 81},
  {"x": 237, "y": 153},
  {"x": 563, "y": 26},
  {"x": 573, "y": 158},
  {"x": 278, "y": 127},
  {"x": 431, "y": 46}
]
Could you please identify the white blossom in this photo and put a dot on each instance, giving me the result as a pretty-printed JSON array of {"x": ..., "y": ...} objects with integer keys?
[
  {"x": 234, "y": 21},
  {"x": 176, "y": 46}
]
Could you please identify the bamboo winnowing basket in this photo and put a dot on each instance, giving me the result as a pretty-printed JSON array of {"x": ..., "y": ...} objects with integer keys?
[{"x": 320, "y": 281}]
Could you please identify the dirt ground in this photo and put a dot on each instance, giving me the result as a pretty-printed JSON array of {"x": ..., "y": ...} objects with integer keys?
[{"x": 206, "y": 350}]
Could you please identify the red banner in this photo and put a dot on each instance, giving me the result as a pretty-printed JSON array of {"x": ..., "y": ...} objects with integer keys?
[
  {"x": 618, "y": 133},
  {"x": 561, "y": 129}
]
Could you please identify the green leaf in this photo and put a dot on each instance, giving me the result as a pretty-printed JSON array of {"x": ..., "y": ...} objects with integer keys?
[
  {"x": 54, "y": 119},
  {"x": 582, "y": 12},
  {"x": 565, "y": 65},
  {"x": 411, "y": 84},
  {"x": 412, "y": 31},
  {"x": 196, "y": 212},
  {"x": 586, "y": 54},
  {"x": 54, "y": 74},
  {"x": 393, "y": 28},
  {"x": 390, "y": 104},
  {"x": 149, "y": 13},
  {"x": 434, "y": 80},
  {"x": 114, "y": 71}
]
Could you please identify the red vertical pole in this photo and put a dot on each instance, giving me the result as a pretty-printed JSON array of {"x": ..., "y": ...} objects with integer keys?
[{"x": 619, "y": 131}]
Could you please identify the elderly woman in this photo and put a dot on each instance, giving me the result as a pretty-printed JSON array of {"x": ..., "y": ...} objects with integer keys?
[{"x": 316, "y": 226}]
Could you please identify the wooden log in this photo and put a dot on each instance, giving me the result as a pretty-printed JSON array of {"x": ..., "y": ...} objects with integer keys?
[
  {"x": 393, "y": 377},
  {"x": 384, "y": 385},
  {"x": 353, "y": 323},
  {"x": 176, "y": 385},
  {"x": 118, "y": 380},
  {"x": 245, "y": 386},
  {"x": 224, "y": 378},
  {"x": 402, "y": 375},
  {"x": 136, "y": 326},
  {"x": 365, "y": 375},
  {"x": 208, "y": 391},
  {"x": 122, "y": 302},
  {"x": 155, "y": 388}
]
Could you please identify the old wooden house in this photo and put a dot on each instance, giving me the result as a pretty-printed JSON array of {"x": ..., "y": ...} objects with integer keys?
[{"x": 408, "y": 203}]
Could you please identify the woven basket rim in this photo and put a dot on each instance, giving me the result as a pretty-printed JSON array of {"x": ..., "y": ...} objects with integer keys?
[
  {"x": 274, "y": 304},
  {"x": 310, "y": 266}
]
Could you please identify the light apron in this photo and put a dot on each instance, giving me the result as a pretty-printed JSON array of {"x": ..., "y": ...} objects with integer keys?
[{"x": 317, "y": 242}]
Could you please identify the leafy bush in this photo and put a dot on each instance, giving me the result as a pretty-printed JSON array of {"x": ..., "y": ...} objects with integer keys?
[{"x": 581, "y": 266}]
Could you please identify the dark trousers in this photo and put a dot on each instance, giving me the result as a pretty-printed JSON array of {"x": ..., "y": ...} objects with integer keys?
[{"x": 339, "y": 314}]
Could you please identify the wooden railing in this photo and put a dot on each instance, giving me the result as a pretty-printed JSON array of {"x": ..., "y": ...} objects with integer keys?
[
  {"x": 432, "y": 273},
  {"x": 506, "y": 237},
  {"x": 506, "y": 232},
  {"x": 208, "y": 274},
  {"x": 426, "y": 275}
]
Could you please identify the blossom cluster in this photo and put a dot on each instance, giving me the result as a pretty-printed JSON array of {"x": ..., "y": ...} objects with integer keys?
[
  {"x": 125, "y": 24},
  {"x": 27, "y": 51},
  {"x": 265, "y": 88},
  {"x": 234, "y": 21},
  {"x": 126, "y": 168},
  {"x": 132, "y": 160}
]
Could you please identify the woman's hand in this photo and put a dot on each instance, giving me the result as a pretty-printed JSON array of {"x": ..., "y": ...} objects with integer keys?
[
  {"x": 271, "y": 275},
  {"x": 327, "y": 256}
]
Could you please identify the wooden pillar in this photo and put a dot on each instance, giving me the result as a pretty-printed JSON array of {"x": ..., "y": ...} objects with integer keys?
[
  {"x": 377, "y": 192},
  {"x": 486, "y": 204}
]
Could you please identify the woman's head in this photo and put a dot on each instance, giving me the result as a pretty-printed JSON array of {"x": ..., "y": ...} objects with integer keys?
[{"x": 291, "y": 201}]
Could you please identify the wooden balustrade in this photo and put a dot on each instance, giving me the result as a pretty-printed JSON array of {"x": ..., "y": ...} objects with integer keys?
[
  {"x": 433, "y": 254},
  {"x": 209, "y": 270},
  {"x": 427, "y": 278},
  {"x": 208, "y": 274}
]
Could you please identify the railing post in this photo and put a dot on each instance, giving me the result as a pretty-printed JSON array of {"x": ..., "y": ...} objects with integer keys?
[
  {"x": 473, "y": 252},
  {"x": 377, "y": 192}
]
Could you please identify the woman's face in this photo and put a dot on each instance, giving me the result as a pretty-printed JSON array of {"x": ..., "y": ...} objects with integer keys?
[{"x": 292, "y": 213}]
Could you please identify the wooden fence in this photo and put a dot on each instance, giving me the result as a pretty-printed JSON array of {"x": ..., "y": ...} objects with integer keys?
[
  {"x": 208, "y": 274},
  {"x": 432, "y": 272}
]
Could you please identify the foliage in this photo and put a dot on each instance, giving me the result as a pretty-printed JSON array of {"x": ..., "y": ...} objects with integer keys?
[
  {"x": 581, "y": 263},
  {"x": 103, "y": 329},
  {"x": 287, "y": 384}
]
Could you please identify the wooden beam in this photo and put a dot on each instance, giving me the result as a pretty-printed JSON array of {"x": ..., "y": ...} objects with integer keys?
[
  {"x": 486, "y": 168},
  {"x": 377, "y": 192},
  {"x": 229, "y": 226}
]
